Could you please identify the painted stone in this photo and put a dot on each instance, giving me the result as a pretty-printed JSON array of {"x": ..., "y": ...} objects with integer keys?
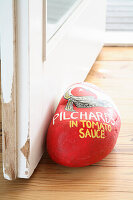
[{"x": 84, "y": 128}]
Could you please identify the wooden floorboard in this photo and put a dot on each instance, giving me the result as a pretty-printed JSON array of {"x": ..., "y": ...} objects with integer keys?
[
  {"x": 111, "y": 178},
  {"x": 116, "y": 54}
]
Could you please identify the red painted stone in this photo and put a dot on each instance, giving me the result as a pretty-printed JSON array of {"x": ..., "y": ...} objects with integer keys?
[{"x": 84, "y": 128}]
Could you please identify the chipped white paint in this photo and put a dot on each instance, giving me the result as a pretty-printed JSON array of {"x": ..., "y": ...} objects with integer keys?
[
  {"x": 7, "y": 60},
  {"x": 5, "y": 175}
]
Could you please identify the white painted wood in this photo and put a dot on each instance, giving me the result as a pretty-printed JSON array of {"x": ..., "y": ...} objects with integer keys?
[
  {"x": 58, "y": 11},
  {"x": 8, "y": 88},
  {"x": 78, "y": 42},
  {"x": 7, "y": 57},
  {"x": 84, "y": 25},
  {"x": 31, "y": 45},
  {"x": 118, "y": 38},
  {"x": 23, "y": 84},
  {"x": 119, "y": 23},
  {"x": 119, "y": 16},
  {"x": 70, "y": 55},
  {"x": 38, "y": 105}
]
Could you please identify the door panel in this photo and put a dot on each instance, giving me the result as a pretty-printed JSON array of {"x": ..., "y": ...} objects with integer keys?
[{"x": 46, "y": 68}]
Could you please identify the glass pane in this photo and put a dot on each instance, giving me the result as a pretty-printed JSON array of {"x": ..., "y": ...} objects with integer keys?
[{"x": 57, "y": 12}]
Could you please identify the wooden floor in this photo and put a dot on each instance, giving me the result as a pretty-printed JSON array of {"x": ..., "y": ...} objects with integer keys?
[{"x": 110, "y": 179}]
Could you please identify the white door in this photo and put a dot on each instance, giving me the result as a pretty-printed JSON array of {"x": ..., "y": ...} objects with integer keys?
[{"x": 48, "y": 51}]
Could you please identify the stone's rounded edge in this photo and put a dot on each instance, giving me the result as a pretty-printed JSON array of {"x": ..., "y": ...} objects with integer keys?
[{"x": 57, "y": 150}]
